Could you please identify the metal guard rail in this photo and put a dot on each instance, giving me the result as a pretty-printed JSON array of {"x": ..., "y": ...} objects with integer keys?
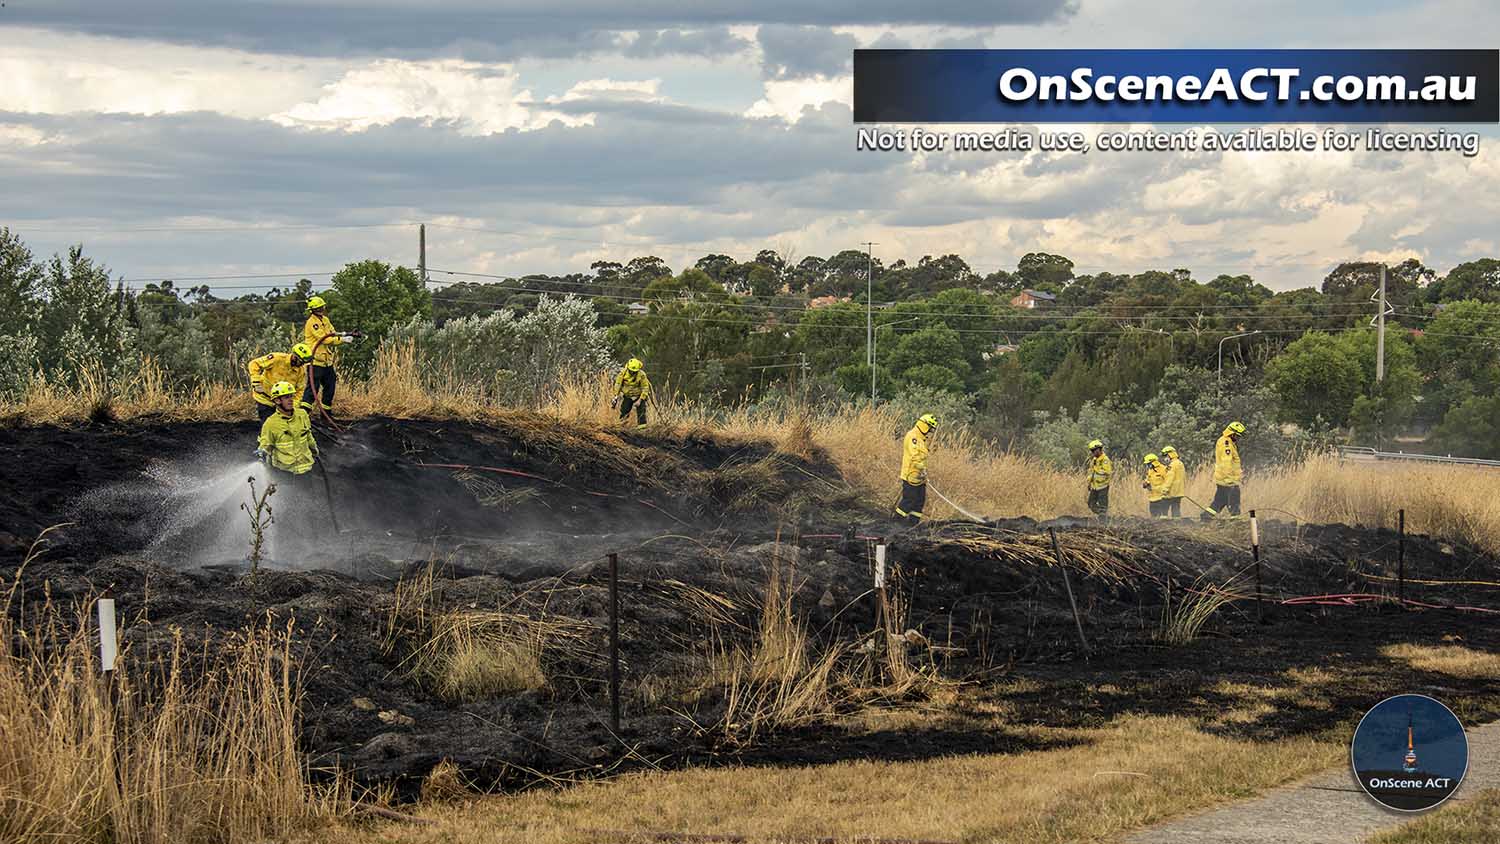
[{"x": 1363, "y": 452}]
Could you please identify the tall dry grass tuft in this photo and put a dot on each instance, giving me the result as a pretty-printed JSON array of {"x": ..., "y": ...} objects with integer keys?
[
  {"x": 780, "y": 679},
  {"x": 147, "y": 395},
  {"x": 184, "y": 745},
  {"x": 1457, "y": 503},
  {"x": 1183, "y": 620},
  {"x": 471, "y": 654}
]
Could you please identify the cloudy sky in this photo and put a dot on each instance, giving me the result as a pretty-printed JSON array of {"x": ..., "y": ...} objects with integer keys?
[{"x": 195, "y": 138}]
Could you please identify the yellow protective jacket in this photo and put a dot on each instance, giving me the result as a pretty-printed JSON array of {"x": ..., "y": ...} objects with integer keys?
[
  {"x": 633, "y": 384},
  {"x": 1227, "y": 471},
  {"x": 266, "y": 370},
  {"x": 914, "y": 457},
  {"x": 1156, "y": 482},
  {"x": 1176, "y": 480},
  {"x": 1100, "y": 471},
  {"x": 289, "y": 441},
  {"x": 316, "y": 329}
]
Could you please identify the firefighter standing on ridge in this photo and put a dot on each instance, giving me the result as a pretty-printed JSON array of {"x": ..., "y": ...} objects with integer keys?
[
  {"x": 914, "y": 451},
  {"x": 1176, "y": 483},
  {"x": 319, "y": 335},
  {"x": 286, "y": 440},
  {"x": 268, "y": 370},
  {"x": 632, "y": 390},
  {"x": 1227, "y": 471},
  {"x": 1155, "y": 486},
  {"x": 1100, "y": 471}
]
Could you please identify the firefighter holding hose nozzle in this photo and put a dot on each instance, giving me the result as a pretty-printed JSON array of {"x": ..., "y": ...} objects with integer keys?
[
  {"x": 914, "y": 451},
  {"x": 286, "y": 441},
  {"x": 319, "y": 335}
]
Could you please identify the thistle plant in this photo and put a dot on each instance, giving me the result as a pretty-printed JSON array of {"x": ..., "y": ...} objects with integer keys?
[{"x": 259, "y": 510}]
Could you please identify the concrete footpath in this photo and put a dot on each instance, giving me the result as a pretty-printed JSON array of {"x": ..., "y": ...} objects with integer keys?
[{"x": 1326, "y": 808}]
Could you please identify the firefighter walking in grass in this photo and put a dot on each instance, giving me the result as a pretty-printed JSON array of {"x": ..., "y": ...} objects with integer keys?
[
  {"x": 318, "y": 334},
  {"x": 1176, "y": 483},
  {"x": 632, "y": 390},
  {"x": 914, "y": 450},
  {"x": 268, "y": 370},
  {"x": 286, "y": 441},
  {"x": 1227, "y": 471},
  {"x": 1100, "y": 472}
]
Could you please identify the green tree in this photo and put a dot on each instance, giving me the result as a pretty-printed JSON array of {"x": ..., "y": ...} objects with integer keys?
[
  {"x": 371, "y": 296},
  {"x": 1316, "y": 378},
  {"x": 1470, "y": 280},
  {"x": 1042, "y": 271},
  {"x": 1471, "y": 428}
]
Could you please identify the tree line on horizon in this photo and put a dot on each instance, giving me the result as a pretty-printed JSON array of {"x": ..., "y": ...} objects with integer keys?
[{"x": 778, "y": 327}]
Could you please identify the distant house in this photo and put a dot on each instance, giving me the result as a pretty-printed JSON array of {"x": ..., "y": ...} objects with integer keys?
[
  {"x": 1032, "y": 299},
  {"x": 1000, "y": 349},
  {"x": 638, "y": 309},
  {"x": 825, "y": 301}
]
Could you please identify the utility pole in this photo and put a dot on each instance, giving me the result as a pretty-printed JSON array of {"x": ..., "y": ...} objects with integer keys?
[
  {"x": 1383, "y": 309},
  {"x": 422, "y": 251},
  {"x": 1380, "y": 335},
  {"x": 870, "y": 314}
]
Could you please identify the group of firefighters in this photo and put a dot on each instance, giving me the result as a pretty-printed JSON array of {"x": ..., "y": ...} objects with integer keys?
[
  {"x": 287, "y": 444},
  {"x": 1165, "y": 482},
  {"x": 286, "y": 440}
]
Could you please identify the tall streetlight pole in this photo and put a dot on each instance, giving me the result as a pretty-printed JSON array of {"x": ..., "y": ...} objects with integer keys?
[
  {"x": 873, "y": 345},
  {"x": 1221, "y": 349},
  {"x": 870, "y": 314}
]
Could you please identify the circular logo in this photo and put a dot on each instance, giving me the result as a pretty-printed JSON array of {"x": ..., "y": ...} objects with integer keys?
[{"x": 1409, "y": 753}]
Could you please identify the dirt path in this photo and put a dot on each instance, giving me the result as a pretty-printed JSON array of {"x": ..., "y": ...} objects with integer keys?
[{"x": 1327, "y": 807}]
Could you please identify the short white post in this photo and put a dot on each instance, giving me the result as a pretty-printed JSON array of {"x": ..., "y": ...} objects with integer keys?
[
  {"x": 879, "y": 566},
  {"x": 108, "y": 645}
]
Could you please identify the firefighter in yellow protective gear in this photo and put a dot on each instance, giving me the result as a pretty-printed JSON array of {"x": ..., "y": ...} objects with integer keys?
[
  {"x": 1100, "y": 473},
  {"x": 269, "y": 370},
  {"x": 632, "y": 390},
  {"x": 1176, "y": 482},
  {"x": 1155, "y": 486},
  {"x": 319, "y": 335},
  {"x": 1227, "y": 470},
  {"x": 286, "y": 439},
  {"x": 914, "y": 450}
]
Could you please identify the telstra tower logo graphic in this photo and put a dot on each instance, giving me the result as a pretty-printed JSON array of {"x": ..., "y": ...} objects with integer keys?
[
  {"x": 1384, "y": 753},
  {"x": 1409, "y": 763}
]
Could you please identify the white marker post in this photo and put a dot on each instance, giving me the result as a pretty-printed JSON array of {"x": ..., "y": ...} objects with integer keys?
[
  {"x": 879, "y": 585},
  {"x": 1260, "y": 616},
  {"x": 108, "y": 645}
]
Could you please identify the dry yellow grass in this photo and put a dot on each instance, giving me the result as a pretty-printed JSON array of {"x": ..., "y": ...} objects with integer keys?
[
  {"x": 1475, "y": 820},
  {"x": 1453, "y": 660},
  {"x": 1116, "y": 779},
  {"x": 155, "y": 753}
]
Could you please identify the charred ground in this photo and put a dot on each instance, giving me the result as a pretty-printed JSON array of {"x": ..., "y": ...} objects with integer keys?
[{"x": 519, "y": 514}]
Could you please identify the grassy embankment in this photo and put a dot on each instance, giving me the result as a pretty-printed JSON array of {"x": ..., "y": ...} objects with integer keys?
[{"x": 1452, "y": 502}]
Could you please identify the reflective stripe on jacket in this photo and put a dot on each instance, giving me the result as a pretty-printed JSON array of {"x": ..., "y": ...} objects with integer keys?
[
  {"x": 914, "y": 457},
  {"x": 266, "y": 370},
  {"x": 633, "y": 385},
  {"x": 316, "y": 329},
  {"x": 289, "y": 440},
  {"x": 1100, "y": 471},
  {"x": 1176, "y": 479},
  {"x": 1227, "y": 471}
]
